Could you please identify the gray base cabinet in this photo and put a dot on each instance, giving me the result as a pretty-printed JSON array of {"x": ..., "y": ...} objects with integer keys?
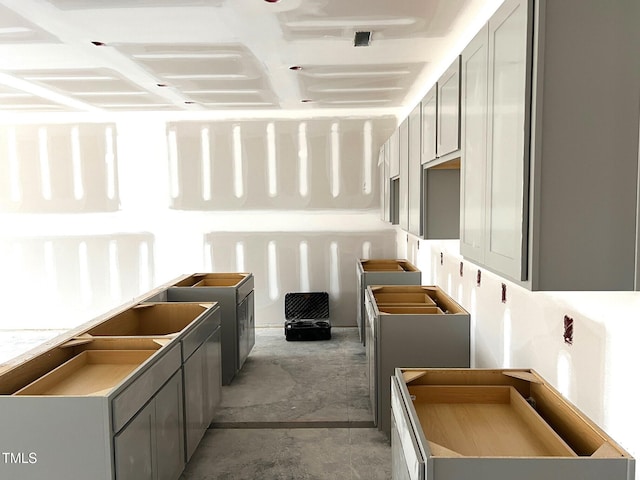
[
  {"x": 522, "y": 428},
  {"x": 381, "y": 272},
  {"x": 411, "y": 325},
  {"x": 151, "y": 446},
  {"x": 234, "y": 294},
  {"x": 117, "y": 398}
]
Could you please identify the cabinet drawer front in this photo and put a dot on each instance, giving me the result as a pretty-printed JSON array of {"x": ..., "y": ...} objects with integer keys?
[
  {"x": 413, "y": 458},
  {"x": 143, "y": 387},
  {"x": 196, "y": 337}
]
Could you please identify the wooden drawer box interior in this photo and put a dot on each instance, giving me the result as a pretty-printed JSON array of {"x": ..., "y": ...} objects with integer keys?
[
  {"x": 403, "y": 298},
  {"x": 394, "y": 309},
  {"x": 212, "y": 280},
  {"x": 484, "y": 421},
  {"x": 150, "y": 319},
  {"x": 415, "y": 295},
  {"x": 501, "y": 413},
  {"x": 387, "y": 265},
  {"x": 28, "y": 372},
  {"x": 90, "y": 373}
]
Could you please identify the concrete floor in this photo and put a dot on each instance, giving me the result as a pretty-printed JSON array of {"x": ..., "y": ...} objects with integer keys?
[{"x": 296, "y": 410}]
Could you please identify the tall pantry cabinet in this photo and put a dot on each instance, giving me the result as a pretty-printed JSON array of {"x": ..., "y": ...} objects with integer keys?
[{"x": 550, "y": 126}]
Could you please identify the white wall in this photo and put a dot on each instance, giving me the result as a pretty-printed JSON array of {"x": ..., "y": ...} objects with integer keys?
[
  {"x": 596, "y": 372},
  {"x": 95, "y": 213}
]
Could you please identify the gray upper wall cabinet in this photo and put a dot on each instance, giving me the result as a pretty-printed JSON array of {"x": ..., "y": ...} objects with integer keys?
[
  {"x": 415, "y": 168},
  {"x": 429, "y": 109},
  {"x": 550, "y": 168},
  {"x": 496, "y": 196},
  {"x": 394, "y": 155},
  {"x": 403, "y": 139},
  {"x": 474, "y": 135},
  {"x": 448, "y": 100},
  {"x": 383, "y": 167}
]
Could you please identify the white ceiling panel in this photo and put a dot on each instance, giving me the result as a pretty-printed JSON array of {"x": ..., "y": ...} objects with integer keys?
[
  {"x": 18, "y": 100},
  {"x": 16, "y": 29},
  {"x": 200, "y": 55},
  {"x": 91, "y": 4},
  {"x": 331, "y": 19}
]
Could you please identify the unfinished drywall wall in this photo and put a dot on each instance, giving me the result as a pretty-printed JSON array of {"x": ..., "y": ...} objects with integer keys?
[{"x": 95, "y": 213}]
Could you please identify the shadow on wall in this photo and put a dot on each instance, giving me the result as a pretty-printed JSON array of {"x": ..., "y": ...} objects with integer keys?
[
  {"x": 62, "y": 281},
  {"x": 285, "y": 262},
  {"x": 527, "y": 330}
]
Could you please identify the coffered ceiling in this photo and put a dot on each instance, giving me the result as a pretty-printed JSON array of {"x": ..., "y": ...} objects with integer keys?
[{"x": 199, "y": 55}]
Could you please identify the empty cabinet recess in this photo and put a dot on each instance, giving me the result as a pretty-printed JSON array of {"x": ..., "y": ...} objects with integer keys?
[{"x": 441, "y": 201}]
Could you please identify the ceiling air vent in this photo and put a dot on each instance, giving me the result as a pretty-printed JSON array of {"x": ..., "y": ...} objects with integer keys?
[{"x": 362, "y": 39}]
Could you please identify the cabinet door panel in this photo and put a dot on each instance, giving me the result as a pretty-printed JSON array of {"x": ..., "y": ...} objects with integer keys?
[
  {"x": 394, "y": 155},
  {"x": 383, "y": 182},
  {"x": 135, "y": 446},
  {"x": 429, "y": 126},
  {"x": 474, "y": 111},
  {"x": 506, "y": 159},
  {"x": 170, "y": 429},
  {"x": 449, "y": 110},
  {"x": 213, "y": 374},
  {"x": 415, "y": 168},
  {"x": 194, "y": 394},
  {"x": 403, "y": 139}
]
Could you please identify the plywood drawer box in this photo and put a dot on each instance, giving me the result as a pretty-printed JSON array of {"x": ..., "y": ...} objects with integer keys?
[
  {"x": 150, "y": 320},
  {"x": 434, "y": 331},
  {"x": 90, "y": 373},
  {"x": 381, "y": 272},
  {"x": 495, "y": 424}
]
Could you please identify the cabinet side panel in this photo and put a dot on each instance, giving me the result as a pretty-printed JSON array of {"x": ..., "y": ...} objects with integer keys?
[
  {"x": 45, "y": 438},
  {"x": 417, "y": 341},
  {"x": 586, "y": 150}
]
